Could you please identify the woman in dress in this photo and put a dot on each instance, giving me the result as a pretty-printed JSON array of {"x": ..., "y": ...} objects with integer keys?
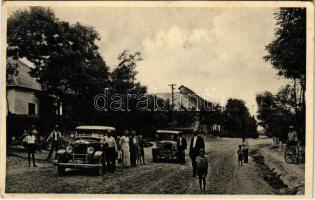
[
  {"x": 245, "y": 149},
  {"x": 124, "y": 145}
]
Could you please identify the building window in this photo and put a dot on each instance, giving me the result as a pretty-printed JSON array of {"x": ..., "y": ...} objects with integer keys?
[{"x": 31, "y": 108}]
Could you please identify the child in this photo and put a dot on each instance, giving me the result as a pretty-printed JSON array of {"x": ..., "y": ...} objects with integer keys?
[
  {"x": 240, "y": 155},
  {"x": 31, "y": 141},
  {"x": 202, "y": 168}
]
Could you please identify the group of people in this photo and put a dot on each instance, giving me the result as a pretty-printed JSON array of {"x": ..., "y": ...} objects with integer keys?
[
  {"x": 31, "y": 140},
  {"x": 127, "y": 149},
  {"x": 242, "y": 152}
]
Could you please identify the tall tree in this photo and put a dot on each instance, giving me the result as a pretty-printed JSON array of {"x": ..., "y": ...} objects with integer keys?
[
  {"x": 287, "y": 54},
  {"x": 124, "y": 82},
  {"x": 238, "y": 120}
]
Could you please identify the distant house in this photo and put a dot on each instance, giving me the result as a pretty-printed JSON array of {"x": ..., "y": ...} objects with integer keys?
[{"x": 23, "y": 92}]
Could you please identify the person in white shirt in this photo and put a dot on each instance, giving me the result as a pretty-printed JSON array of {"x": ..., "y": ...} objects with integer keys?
[
  {"x": 55, "y": 138},
  {"x": 292, "y": 136},
  {"x": 30, "y": 140},
  {"x": 245, "y": 147},
  {"x": 111, "y": 151}
]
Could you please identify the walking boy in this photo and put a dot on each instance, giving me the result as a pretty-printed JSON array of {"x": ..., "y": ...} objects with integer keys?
[{"x": 202, "y": 169}]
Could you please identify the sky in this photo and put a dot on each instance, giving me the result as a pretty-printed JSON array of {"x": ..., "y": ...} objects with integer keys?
[{"x": 216, "y": 52}]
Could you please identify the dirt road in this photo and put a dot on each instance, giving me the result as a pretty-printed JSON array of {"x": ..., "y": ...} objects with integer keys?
[{"x": 225, "y": 176}]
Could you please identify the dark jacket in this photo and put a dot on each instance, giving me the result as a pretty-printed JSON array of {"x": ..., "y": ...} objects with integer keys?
[
  {"x": 184, "y": 143},
  {"x": 200, "y": 144}
]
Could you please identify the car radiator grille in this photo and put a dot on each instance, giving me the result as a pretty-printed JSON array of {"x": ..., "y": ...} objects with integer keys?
[{"x": 79, "y": 152}]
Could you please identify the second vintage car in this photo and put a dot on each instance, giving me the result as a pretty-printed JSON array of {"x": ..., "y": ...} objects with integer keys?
[
  {"x": 166, "y": 146},
  {"x": 85, "y": 151}
]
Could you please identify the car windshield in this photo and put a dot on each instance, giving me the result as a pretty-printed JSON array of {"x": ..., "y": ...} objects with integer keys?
[
  {"x": 166, "y": 136},
  {"x": 90, "y": 133}
]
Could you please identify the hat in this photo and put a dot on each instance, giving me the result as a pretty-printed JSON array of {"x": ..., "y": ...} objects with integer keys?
[{"x": 291, "y": 127}]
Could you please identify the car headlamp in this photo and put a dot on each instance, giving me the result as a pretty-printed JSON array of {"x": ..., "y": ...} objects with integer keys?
[
  {"x": 90, "y": 150},
  {"x": 69, "y": 149}
]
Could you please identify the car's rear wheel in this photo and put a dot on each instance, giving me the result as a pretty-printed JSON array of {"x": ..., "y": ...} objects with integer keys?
[{"x": 61, "y": 170}]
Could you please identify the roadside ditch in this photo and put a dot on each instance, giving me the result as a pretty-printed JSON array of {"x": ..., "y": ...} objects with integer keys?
[{"x": 273, "y": 178}]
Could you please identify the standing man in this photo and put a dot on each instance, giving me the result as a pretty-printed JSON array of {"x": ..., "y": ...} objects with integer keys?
[
  {"x": 141, "y": 149},
  {"x": 55, "y": 138},
  {"x": 196, "y": 143},
  {"x": 31, "y": 148},
  {"x": 112, "y": 152},
  {"x": 292, "y": 137},
  {"x": 104, "y": 150},
  {"x": 181, "y": 147},
  {"x": 134, "y": 148}
]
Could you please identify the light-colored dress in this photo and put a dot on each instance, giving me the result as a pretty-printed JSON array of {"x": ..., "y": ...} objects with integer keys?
[
  {"x": 245, "y": 145},
  {"x": 124, "y": 144}
]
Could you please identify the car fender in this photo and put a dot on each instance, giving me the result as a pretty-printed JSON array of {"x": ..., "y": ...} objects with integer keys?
[
  {"x": 61, "y": 152},
  {"x": 98, "y": 154}
]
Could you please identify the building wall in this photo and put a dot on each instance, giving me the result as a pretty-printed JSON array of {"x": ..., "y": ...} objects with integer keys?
[{"x": 19, "y": 100}]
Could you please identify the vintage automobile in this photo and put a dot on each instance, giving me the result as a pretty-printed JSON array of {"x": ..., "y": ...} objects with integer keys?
[
  {"x": 166, "y": 146},
  {"x": 85, "y": 151}
]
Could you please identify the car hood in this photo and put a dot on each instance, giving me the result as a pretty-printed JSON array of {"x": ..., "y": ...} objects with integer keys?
[
  {"x": 82, "y": 141},
  {"x": 166, "y": 142}
]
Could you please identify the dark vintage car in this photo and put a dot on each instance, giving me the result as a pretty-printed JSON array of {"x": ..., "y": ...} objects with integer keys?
[
  {"x": 85, "y": 151},
  {"x": 166, "y": 146}
]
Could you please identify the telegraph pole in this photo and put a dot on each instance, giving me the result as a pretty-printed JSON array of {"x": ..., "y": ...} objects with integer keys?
[{"x": 173, "y": 87}]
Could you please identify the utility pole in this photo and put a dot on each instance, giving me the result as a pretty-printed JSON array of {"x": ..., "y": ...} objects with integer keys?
[{"x": 173, "y": 87}]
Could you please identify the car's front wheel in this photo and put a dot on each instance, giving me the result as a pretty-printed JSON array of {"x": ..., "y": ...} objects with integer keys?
[
  {"x": 100, "y": 170},
  {"x": 61, "y": 170}
]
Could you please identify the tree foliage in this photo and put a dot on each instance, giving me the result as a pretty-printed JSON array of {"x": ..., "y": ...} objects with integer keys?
[
  {"x": 66, "y": 57},
  {"x": 237, "y": 119},
  {"x": 287, "y": 54},
  {"x": 276, "y": 112}
]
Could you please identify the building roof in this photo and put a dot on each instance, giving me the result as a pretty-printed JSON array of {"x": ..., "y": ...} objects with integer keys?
[
  {"x": 199, "y": 101},
  {"x": 23, "y": 78},
  {"x": 95, "y": 128},
  {"x": 181, "y": 101}
]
